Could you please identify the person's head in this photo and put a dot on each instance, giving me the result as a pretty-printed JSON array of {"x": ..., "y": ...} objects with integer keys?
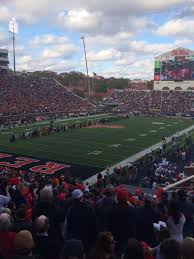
[
  {"x": 148, "y": 199},
  {"x": 5, "y": 222},
  {"x": 182, "y": 195},
  {"x": 170, "y": 249},
  {"x": 174, "y": 211},
  {"x": 162, "y": 234},
  {"x": 46, "y": 194},
  {"x": 187, "y": 248},
  {"x": 23, "y": 243},
  {"x": 21, "y": 213},
  {"x": 77, "y": 195},
  {"x": 73, "y": 249},
  {"x": 164, "y": 197},
  {"x": 109, "y": 191},
  {"x": 104, "y": 244},
  {"x": 41, "y": 225},
  {"x": 133, "y": 250},
  {"x": 122, "y": 196}
]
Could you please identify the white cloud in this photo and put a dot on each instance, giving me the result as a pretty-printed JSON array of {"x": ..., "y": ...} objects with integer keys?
[
  {"x": 48, "y": 39},
  {"x": 5, "y": 14},
  {"x": 178, "y": 28},
  {"x": 79, "y": 19},
  {"x": 62, "y": 51},
  {"x": 104, "y": 55}
]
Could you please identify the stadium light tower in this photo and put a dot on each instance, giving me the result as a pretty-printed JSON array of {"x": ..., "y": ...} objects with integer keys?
[
  {"x": 13, "y": 28},
  {"x": 86, "y": 62}
]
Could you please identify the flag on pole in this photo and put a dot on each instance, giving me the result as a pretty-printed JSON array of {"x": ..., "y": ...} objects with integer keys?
[{"x": 96, "y": 76}]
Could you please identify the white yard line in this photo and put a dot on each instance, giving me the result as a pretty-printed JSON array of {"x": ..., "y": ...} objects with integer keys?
[{"x": 92, "y": 180}]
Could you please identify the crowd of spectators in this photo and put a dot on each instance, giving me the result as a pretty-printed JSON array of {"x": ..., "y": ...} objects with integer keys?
[
  {"x": 149, "y": 101},
  {"x": 51, "y": 217},
  {"x": 22, "y": 95}
]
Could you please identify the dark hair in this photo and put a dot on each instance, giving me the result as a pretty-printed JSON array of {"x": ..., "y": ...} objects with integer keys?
[
  {"x": 174, "y": 211},
  {"x": 170, "y": 249},
  {"x": 21, "y": 212},
  {"x": 102, "y": 246},
  {"x": 163, "y": 234},
  {"x": 133, "y": 250}
]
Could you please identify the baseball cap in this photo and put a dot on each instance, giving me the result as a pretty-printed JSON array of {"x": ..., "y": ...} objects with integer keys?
[{"x": 77, "y": 194}]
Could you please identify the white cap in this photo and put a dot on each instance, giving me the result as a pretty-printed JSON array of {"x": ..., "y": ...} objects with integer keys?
[{"x": 77, "y": 194}]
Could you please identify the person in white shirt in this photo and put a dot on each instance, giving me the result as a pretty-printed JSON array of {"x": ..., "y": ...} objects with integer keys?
[{"x": 175, "y": 222}]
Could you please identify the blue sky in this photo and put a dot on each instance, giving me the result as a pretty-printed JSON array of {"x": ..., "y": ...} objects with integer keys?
[{"x": 122, "y": 37}]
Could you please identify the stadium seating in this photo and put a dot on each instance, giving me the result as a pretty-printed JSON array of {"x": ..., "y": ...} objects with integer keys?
[
  {"x": 151, "y": 101},
  {"x": 22, "y": 95}
]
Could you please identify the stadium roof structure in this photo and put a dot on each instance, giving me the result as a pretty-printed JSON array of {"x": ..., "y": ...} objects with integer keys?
[{"x": 176, "y": 52}]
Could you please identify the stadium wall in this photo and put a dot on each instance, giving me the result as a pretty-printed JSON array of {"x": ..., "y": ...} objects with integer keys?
[{"x": 171, "y": 85}]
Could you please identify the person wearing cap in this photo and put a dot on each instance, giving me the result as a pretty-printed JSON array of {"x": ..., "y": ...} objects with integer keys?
[
  {"x": 121, "y": 221},
  {"x": 81, "y": 220},
  {"x": 104, "y": 206},
  {"x": 146, "y": 216}
]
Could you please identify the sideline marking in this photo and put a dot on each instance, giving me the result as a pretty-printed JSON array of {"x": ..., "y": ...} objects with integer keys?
[
  {"x": 115, "y": 145},
  {"x": 95, "y": 152},
  {"x": 130, "y": 139},
  {"x": 158, "y": 123}
]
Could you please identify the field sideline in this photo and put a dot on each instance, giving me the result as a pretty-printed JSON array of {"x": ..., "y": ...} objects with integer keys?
[{"x": 96, "y": 147}]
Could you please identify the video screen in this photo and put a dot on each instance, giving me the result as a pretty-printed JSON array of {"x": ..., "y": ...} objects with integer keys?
[{"x": 177, "y": 69}]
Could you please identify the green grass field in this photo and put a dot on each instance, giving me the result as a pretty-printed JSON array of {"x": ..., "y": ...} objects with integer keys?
[{"x": 95, "y": 147}]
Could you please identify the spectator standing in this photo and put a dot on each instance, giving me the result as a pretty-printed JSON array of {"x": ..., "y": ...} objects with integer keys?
[
  {"x": 45, "y": 245},
  {"x": 146, "y": 216},
  {"x": 20, "y": 222},
  {"x": 81, "y": 220},
  {"x": 175, "y": 222},
  {"x": 48, "y": 207},
  {"x": 187, "y": 208},
  {"x": 103, "y": 208},
  {"x": 122, "y": 221}
]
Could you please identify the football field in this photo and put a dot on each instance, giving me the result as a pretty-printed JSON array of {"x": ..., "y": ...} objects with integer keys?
[{"x": 96, "y": 147}]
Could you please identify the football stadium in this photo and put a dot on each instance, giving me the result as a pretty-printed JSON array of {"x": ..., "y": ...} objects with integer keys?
[{"x": 95, "y": 166}]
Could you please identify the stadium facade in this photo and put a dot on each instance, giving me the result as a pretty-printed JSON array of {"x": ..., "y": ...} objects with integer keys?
[
  {"x": 174, "y": 70},
  {"x": 4, "y": 61}
]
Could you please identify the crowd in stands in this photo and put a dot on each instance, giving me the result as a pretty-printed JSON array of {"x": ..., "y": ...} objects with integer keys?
[
  {"x": 21, "y": 95},
  {"x": 149, "y": 101},
  {"x": 50, "y": 217}
]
